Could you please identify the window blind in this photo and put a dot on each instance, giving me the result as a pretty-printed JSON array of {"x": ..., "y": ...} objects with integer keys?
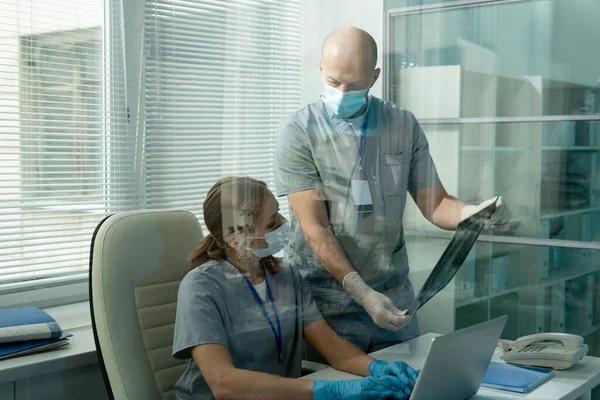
[
  {"x": 64, "y": 158},
  {"x": 220, "y": 76}
]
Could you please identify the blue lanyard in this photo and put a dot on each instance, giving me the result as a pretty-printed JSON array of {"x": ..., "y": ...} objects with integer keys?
[{"x": 276, "y": 333}]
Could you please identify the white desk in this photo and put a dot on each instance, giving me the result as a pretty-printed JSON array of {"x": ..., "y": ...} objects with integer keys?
[{"x": 575, "y": 383}]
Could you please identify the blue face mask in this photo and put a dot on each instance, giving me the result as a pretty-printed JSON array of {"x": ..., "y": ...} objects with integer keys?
[
  {"x": 344, "y": 104},
  {"x": 276, "y": 241}
]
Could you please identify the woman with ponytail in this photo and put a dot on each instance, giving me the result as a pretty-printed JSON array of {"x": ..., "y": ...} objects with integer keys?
[{"x": 242, "y": 314}]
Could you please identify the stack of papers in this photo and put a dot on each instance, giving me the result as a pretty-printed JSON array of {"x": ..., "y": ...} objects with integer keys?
[
  {"x": 514, "y": 379},
  {"x": 27, "y": 330}
]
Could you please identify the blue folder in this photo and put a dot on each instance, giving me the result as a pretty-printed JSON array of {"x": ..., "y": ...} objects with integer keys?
[
  {"x": 9, "y": 350},
  {"x": 27, "y": 323},
  {"x": 26, "y": 330},
  {"x": 514, "y": 378}
]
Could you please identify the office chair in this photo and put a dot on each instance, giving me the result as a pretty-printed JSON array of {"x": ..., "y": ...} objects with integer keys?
[{"x": 137, "y": 261}]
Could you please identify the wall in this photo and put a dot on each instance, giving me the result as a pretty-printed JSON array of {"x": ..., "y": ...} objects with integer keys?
[
  {"x": 66, "y": 384},
  {"x": 321, "y": 17}
]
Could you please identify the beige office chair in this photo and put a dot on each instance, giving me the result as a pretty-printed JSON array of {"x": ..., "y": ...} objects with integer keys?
[{"x": 137, "y": 261}]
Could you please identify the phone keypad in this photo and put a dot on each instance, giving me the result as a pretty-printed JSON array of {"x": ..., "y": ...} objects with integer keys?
[{"x": 531, "y": 349}]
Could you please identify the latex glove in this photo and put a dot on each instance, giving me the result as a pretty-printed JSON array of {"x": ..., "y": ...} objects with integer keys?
[
  {"x": 498, "y": 220},
  {"x": 379, "y": 307},
  {"x": 398, "y": 369},
  {"x": 385, "y": 387}
]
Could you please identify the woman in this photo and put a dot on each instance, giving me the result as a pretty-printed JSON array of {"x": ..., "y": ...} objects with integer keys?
[{"x": 242, "y": 314}]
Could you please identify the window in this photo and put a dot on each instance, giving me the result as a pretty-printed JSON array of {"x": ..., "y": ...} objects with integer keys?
[
  {"x": 220, "y": 76},
  {"x": 216, "y": 80},
  {"x": 54, "y": 149},
  {"x": 61, "y": 135}
]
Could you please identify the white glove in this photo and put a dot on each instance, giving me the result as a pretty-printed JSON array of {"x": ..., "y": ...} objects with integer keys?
[
  {"x": 379, "y": 307},
  {"x": 498, "y": 220}
]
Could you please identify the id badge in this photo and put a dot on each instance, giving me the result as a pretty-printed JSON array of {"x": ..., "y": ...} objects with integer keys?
[{"x": 361, "y": 194}]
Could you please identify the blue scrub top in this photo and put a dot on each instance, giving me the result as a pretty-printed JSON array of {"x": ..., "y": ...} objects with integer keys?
[
  {"x": 315, "y": 149},
  {"x": 215, "y": 306}
]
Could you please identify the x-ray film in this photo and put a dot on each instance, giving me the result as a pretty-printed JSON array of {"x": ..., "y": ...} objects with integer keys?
[{"x": 454, "y": 255}]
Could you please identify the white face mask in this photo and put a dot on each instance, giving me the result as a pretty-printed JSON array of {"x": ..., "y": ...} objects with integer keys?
[{"x": 276, "y": 241}]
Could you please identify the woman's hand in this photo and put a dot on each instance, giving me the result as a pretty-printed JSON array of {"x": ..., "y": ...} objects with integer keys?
[
  {"x": 397, "y": 369},
  {"x": 381, "y": 387}
]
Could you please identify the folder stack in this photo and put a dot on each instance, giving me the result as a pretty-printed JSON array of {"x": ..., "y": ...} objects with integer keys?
[{"x": 27, "y": 330}]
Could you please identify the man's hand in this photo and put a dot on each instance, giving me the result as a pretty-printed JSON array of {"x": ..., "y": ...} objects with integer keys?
[
  {"x": 497, "y": 221},
  {"x": 379, "y": 307}
]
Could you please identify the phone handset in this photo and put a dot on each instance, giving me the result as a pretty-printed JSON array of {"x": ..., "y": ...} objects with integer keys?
[
  {"x": 564, "y": 339},
  {"x": 550, "y": 350}
]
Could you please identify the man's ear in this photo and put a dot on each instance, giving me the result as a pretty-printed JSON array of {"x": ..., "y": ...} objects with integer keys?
[
  {"x": 320, "y": 63},
  {"x": 375, "y": 76}
]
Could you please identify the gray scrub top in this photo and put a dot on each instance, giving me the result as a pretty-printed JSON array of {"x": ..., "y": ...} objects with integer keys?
[
  {"x": 215, "y": 305},
  {"x": 317, "y": 149}
]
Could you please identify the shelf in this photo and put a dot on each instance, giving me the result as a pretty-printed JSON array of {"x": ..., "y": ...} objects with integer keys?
[
  {"x": 571, "y": 148},
  {"x": 566, "y": 277},
  {"x": 470, "y": 300},
  {"x": 498, "y": 149},
  {"x": 519, "y": 147},
  {"x": 589, "y": 331},
  {"x": 505, "y": 292},
  {"x": 477, "y": 299},
  {"x": 567, "y": 213}
]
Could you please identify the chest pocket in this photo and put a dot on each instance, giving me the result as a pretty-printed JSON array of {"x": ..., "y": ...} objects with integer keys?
[{"x": 395, "y": 171}]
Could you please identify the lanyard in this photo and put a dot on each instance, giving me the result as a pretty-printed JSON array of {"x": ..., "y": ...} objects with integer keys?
[
  {"x": 276, "y": 333},
  {"x": 363, "y": 140}
]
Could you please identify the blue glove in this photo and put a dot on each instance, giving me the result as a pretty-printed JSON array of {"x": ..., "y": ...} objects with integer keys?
[
  {"x": 383, "y": 387},
  {"x": 398, "y": 369}
]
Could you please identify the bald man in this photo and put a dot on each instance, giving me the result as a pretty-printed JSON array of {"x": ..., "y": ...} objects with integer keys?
[{"x": 346, "y": 162}]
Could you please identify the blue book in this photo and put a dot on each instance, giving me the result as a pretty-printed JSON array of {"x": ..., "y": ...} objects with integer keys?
[
  {"x": 27, "y": 323},
  {"x": 514, "y": 378}
]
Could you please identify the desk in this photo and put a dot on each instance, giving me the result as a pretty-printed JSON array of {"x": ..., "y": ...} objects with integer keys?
[{"x": 575, "y": 383}]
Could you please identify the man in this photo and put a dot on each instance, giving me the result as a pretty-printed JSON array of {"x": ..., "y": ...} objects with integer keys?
[{"x": 346, "y": 162}]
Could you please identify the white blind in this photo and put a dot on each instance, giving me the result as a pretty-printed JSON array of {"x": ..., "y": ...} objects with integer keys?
[
  {"x": 220, "y": 76},
  {"x": 64, "y": 158}
]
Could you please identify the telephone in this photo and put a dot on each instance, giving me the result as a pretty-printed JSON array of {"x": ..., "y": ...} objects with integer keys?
[{"x": 550, "y": 350}]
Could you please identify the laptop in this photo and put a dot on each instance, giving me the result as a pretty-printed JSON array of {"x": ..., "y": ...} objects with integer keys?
[{"x": 456, "y": 363}]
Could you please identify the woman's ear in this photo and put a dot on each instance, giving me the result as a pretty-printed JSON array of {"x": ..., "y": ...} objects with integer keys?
[
  {"x": 237, "y": 240},
  {"x": 233, "y": 240}
]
